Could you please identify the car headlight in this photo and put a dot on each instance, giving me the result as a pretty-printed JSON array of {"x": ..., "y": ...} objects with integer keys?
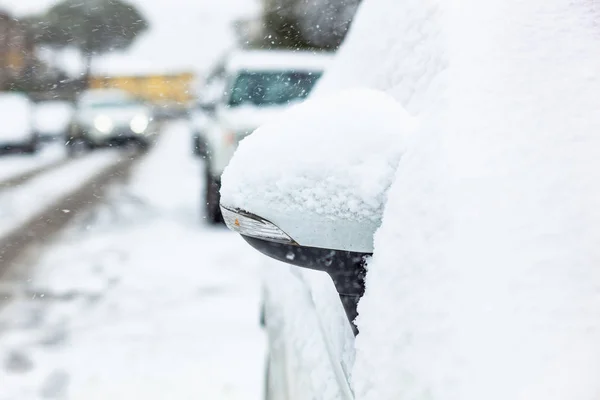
[
  {"x": 251, "y": 225},
  {"x": 139, "y": 123},
  {"x": 103, "y": 124}
]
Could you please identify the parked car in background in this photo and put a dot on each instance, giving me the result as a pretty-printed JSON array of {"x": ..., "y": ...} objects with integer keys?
[
  {"x": 169, "y": 93},
  {"x": 259, "y": 85},
  {"x": 199, "y": 117},
  {"x": 53, "y": 119},
  {"x": 17, "y": 130},
  {"x": 203, "y": 112},
  {"x": 111, "y": 118}
]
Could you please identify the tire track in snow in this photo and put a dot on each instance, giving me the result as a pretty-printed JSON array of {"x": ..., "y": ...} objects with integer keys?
[
  {"x": 27, "y": 175},
  {"x": 42, "y": 225}
]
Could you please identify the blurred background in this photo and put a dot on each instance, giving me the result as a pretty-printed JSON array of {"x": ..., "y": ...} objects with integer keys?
[
  {"x": 52, "y": 48},
  {"x": 117, "y": 277}
]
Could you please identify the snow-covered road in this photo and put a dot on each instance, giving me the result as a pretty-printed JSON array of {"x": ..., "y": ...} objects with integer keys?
[
  {"x": 138, "y": 299},
  {"x": 20, "y": 203},
  {"x": 18, "y": 164}
]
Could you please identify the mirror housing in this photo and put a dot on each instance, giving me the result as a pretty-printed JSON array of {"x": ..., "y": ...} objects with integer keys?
[
  {"x": 346, "y": 268},
  {"x": 309, "y": 187}
]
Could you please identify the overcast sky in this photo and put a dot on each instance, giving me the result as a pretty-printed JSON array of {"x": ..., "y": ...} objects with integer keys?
[{"x": 184, "y": 34}]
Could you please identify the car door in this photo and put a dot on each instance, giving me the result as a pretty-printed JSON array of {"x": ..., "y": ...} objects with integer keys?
[{"x": 309, "y": 355}]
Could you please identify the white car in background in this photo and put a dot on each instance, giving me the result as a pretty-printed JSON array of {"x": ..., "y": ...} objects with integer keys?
[
  {"x": 442, "y": 165},
  {"x": 259, "y": 86},
  {"x": 203, "y": 112},
  {"x": 111, "y": 118},
  {"x": 199, "y": 118},
  {"x": 17, "y": 130},
  {"x": 53, "y": 119}
]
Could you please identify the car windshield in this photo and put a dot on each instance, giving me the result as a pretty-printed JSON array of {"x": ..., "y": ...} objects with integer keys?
[
  {"x": 271, "y": 88},
  {"x": 114, "y": 104}
]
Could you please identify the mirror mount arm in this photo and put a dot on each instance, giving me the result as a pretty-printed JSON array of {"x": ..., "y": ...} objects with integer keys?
[{"x": 346, "y": 269}]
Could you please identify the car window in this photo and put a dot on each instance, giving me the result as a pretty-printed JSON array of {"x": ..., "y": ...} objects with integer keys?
[
  {"x": 271, "y": 88},
  {"x": 113, "y": 104}
]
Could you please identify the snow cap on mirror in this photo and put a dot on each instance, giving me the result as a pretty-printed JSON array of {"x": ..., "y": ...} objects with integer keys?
[{"x": 334, "y": 156}]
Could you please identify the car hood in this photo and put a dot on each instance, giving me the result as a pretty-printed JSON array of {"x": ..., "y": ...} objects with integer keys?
[
  {"x": 247, "y": 118},
  {"x": 119, "y": 116}
]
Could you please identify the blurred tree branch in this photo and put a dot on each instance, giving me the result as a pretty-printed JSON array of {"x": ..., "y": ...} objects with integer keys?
[
  {"x": 305, "y": 24},
  {"x": 94, "y": 27}
]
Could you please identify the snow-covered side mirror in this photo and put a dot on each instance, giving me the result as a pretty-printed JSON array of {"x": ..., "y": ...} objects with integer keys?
[{"x": 309, "y": 188}]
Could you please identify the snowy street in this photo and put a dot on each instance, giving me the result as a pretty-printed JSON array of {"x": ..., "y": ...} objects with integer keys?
[{"x": 137, "y": 297}]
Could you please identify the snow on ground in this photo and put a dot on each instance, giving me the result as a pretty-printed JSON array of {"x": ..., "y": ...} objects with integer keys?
[
  {"x": 17, "y": 164},
  {"x": 139, "y": 299},
  {"x": 20, "y": 203}
]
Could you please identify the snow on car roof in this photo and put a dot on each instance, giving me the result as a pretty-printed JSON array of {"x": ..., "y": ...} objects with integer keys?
[
  {"x": 102, "y": 94},
  {"x": 15, "y": 96},
  {"x": 15, "y": 113},
  {"x": 277, "y": 60},
  {"x": 14, "y": 103}
]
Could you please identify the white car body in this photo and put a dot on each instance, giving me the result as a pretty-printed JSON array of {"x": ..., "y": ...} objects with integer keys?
[
  {"x": 199, "y": 121},
  {"x": 484, "y": 278},
  {"x": 53, "y": 118},
  {"x": 16, "y": 129},
  {"x": 232, "y": 124}
]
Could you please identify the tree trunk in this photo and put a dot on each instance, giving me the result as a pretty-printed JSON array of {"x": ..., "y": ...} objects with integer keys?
[{"x": 87, "y": 61}]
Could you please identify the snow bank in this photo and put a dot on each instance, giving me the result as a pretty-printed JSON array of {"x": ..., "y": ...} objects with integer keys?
[
  {"x": 484, "y": 282},
  {"x": 350, "y": 144},
  {"x": 19, "y": 204},
  {"x": 15, "y": 165},
  {"x": 166, "y": 308}
]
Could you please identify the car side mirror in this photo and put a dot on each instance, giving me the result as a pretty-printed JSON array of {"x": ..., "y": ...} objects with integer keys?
[{"x": 309, "y": 187}]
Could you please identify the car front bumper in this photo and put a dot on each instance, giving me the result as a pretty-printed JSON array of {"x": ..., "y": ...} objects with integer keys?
[
  {"x": 16, "y": 143},
  {"x": 118, "y": 137}
]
